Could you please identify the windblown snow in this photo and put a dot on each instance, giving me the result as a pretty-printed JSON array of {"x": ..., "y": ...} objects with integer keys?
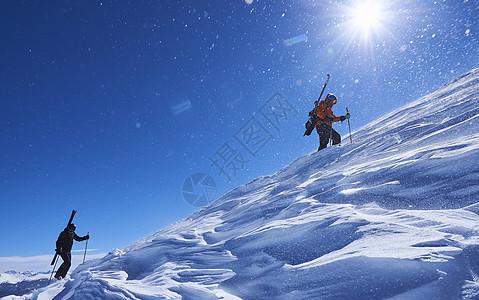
[{"x": 392, "y": 216}]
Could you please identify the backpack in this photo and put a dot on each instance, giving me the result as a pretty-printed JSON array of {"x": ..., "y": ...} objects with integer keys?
[{"x": 311, "y": 123}]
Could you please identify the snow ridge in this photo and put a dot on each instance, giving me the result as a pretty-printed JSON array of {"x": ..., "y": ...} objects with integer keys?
[{"x": 393, "y": 215}]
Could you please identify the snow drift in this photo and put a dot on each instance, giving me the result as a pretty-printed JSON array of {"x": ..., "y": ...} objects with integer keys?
[{"x": 393, "y": 215}]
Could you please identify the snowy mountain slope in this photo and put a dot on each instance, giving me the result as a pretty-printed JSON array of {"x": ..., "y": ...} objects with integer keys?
[
  {"x": 19, "y": 283},
  {"x": 393, "y": 215},
  {"x": 15, "y": 277}
]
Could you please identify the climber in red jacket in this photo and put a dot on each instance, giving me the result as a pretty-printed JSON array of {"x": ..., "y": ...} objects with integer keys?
[{"x": 325, "y": 119}]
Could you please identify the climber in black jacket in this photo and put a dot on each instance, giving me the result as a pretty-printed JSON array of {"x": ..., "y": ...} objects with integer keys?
[{"x": 64, "y": 248}]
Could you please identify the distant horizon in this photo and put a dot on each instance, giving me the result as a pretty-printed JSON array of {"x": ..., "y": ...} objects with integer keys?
[{"x": 41, "y": 263}]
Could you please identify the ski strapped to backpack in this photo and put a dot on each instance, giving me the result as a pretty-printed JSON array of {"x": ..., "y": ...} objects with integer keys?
[{"x": 311, "y": 123}]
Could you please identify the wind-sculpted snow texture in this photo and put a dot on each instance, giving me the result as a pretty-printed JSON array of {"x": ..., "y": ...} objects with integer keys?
[{"x": 393, "y": 215}]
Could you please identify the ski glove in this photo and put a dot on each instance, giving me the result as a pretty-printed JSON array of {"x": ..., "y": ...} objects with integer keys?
[
  {"x": 87, "y": 237},
  {"x": 342, "y": 118},
  {"x": 58, "y": 251}
]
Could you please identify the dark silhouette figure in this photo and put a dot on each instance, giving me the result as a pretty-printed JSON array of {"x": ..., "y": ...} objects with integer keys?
[{"x": 64, "y": 248}]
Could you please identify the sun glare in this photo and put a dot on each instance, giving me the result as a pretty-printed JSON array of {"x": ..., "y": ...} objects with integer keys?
[
  {"x": 363, "y": 25},
  {"x": 367, "y": 16}
]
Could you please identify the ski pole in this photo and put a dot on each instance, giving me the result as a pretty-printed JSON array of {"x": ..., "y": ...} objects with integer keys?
[
  {"x": 86, "y": 245},
  {"x": 331, "y": 136},
  {"x": 349, "y": 126},
  {"x": 56, "y": 260}
]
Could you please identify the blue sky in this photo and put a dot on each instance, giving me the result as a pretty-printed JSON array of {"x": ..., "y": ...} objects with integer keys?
[{"x": 108, "y": 107}]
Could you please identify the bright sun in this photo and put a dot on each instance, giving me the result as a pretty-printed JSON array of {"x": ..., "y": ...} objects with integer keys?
[
  {"x": 364, "y": 23},
  {"x": 367, "y": 15}
]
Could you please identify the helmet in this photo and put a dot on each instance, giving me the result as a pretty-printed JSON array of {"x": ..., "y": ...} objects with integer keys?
[
  {"x": 330, "y": 98},
  {"x": 72, "y": 227}
]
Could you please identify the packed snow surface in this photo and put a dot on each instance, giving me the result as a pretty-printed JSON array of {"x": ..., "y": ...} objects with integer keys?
[{"x": 391, "y": 216}]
